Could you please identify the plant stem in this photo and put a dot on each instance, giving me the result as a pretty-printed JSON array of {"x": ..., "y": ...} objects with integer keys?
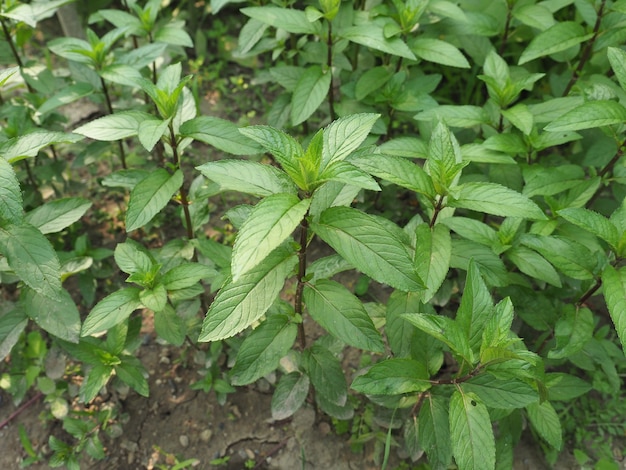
[
  {"x": 438, "y": 209},
  {"x": 507, "y": 30},
  {"x": 298, "y": 304},
  {"x": 107, "y": 98},
  {"x": 16, "y": 55},
  {"x": 331, "y": 95},
  {"x": 458, "y": 380},
  {"x": 589, "y": 293},
  {"x": 183, "y": 191},
  {"x": 606, "y": 169},
  {"x": 16, "y": 413},
  {"x": 586, "y": 55}
]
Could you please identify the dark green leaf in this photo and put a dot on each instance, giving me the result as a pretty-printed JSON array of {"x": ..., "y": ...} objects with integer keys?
[
  {"x": 326, "y": 374},
  {"x": 614, "y": 288},
  {"x": 501, "y": 394},
  {"x": 10, "y": 195},
  {"x": 562, "y": 386},
  {"x": 289, "y": 396},
  {"x": 533, "y": 264},
  {"x": 393, "y": 377},
  {"x": 151, "y": 195},
  {"x": 546, "y": 422},
  {"x": 56, "y": 215},
  {"x": 310, "y": 92},
  {"x": 111, "y": 310},
  {"x": 169, "y": 325},
  {"x": 221, "y": 134},
  {"x": 58, "y": 316},
  {"x": 131, "y": 372},
  {"x": 96, "y": 378},
  {"x": 12, "y": 323},
  {"x": 434, "y": 431},
  {"x": 555, "y": 39}
]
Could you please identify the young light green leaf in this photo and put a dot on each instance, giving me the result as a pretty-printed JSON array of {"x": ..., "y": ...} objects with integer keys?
[
  {"x": 338, "y": 311},
  {"x": 186, "y": 275},
  {"x": 114, "y": 126},
  {"x": 239, "y": 304},
  {"x": 58, "y": 214},
  {"x": 393, "y": 377},
  {"x": 221, "y": 134},
  {"x": 493, "y": 198},
  {"x": 58, "y": 316},
  {"x": 248, "y": 177},
  {"x": 501, "y": 394},
  {"x": 289, "y": 395},
  {"x": 291, "y": 20},
  {"x": 369, "y": 246},
  {"x": 261, "y": 351},
  {"x": 589, "y": 115},
  {"x": 546, "y": 422},
  {"x": 344, "y": 135},
  {"x": 397, "y": 170},
  {"x": 113, "y": 309},
  {"x": 473, "y": 442},
  {"x": 476, "y": 306},
  {"x": 434, "y": 431},
  {"x": 310, "y": 92},
  {"x": 432, "y": 256},
  {"x": 151, "y": 195},
  {"x": 614, "y": 288},
  {"x": 372, "y": 35},
  {"x": 533, "y": 264},
  {"x": 557, "y": 38},
  {"x": 326, "y": 374},
  {"x": 169, "y": 325},
  {"x": 439, "y": 52},
  {"x": 10, "y": 195},
  {"x": 33, "y": 259},
  {"x": 29, "y": 145},
  {"x": 593, "y": 222},
  {"x": 270, "y": 223}
]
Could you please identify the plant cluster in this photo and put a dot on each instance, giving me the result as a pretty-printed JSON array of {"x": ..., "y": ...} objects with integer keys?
[{"x": 467, "y": 158}]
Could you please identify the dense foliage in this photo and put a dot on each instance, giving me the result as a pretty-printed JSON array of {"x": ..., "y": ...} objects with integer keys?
[{"x": 466, "y": 158}]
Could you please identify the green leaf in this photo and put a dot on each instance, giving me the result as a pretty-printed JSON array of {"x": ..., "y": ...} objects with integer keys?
[
  {"x": 12, "y": 323},
  {"x": 270, "y": 223},
  {"x": 174, "y": 33},
  {"x": 154, "y": 298},
  {"x": 291, "y": 20},
  {"x": 56, "y": 215},
  {"x": 456, "y": 116},
  {"x": 150, "y": 132},
  {"x": 372, "y": 35},
  {"x": 589, "y": 115},
  {"x": 326, "y": 374},
  {"x": 614, "y": 289},
  {"x": 562, "y": 386},
  {"x": 546, "y": 422},
  {"x": 262, "y": 349},
  {"x": 114, "y": 126},
  {"x": 557, "y": 38},
  {"x": 541, "y": 181},
  {"x": 33, "y": 259},
  {"x": 369, "y": 246},
  {"x": 393, "y": 377},
  {"x": 58, "y": 316},
  {"x": 439, "y": 52},
  {"x": 247, "y": 177},
  {"x": 186, "y": 275},
  {"x": 371, "y": 81},
  {"x": 113, "y": 309},
  {"x": 310, "y": 92},
  {"x": 289, "y": 395},
  {"x": 96, "y": 378},
  {"x": 239, "y": 304},
  {"x": 169, "y": 325},
  {"x": 29, "y": 145},
  {"x": 346, "y": 172},
  {"x": 131, "y": 372},
  {"x": 10, "y": 195},
  {"x": 432, "y": 256},
  {"x": 344, "y": 135},
  {"x": 473, "y": 442},
  {"x": 493, "y": 198},
  {"x": 398, "y": 331},
  {"x": 593, "y": 222},
  {"x": 533, "y": 264},
  {"x": 339, "y": 312},
  {"x": 617, "y": 58},
  {"x": 221, "y": 134},
  {"x": 434, "y": 431},
  {"x": 151, "y": 195},
  {"x": 571, "y": 258},
  {"x": 573, "y": 330},
  {"x": 397, "y": 170},
  {"x": 7, "y": 73},
  {"x": 501, "y": 394},
  {"x": 445, "y": 330},
  {"x": 132, "y": 258},
  {"x": 490, "y": 264}
]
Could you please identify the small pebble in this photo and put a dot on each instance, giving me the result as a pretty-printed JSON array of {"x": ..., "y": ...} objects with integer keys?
[
  {"x": 250, "y": 454},
  {"x": 184, "y": 441},
  {"x": 206, "y": 435}
]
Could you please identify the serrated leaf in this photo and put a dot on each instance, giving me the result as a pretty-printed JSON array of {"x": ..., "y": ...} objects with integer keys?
[
  {"x": 372, "y": 80},
  {"x": 239, "y": 304},
  {"x": 132, "y": 258},
  {"x": 113, "y": 309},
  {"x": 344, "y": 135},
  {"x": 398, "y": 171},
  {"x": 569, "y": 257},
  {"x": 262, "y": 350},
  {"x": 248, "y": 177},
  {"x": 326, "y": 374},
  {"x": 491, "y": 266},
  {"x": 445, "y": 330},
  {"x": 617, "y": 58},
  {"x": 546, "y": 422},
  {"x": 493, "y": 198},
  {"x": 562, "y": 386},
  {"x": 289, "y": 395},
  {"x": 154, "y": 298},
  {"x": 439, "y": 52},
  {"x": 433, "y": 250},
  {"x": 541, "y": 181},
  {"x": 114, "y": 126},
  {"x": 150, "y": 132},
  {"x": 169, "y": 325},
  {"x": 12, "y": 323},
  {"x": 614, "y": 289},
  {"x": 270, "y": 223},
  {"x": 473, "y": 442},
  {"x": 534, "y": 265},
  {"x": 589, "y": 115},
  {"x": 309, "y": 93},
  {"x": 58, "y": 316},
  {"x": 456, "y": 116},
  {"x": 501, "y": 394},
  {"x": 96, "y": 378},
  {"x": 66, "y": 96},
  {"x": 56, "y": 215},
  {"x": 573, "y": 330},
  {"x": 372, "y": 35},
  {"x": 221, "y": 134},
  {"x": 291, "y": 20},
  {"x": 338, "y": 311},
  {"x": 10, "y": 195},
  {"x": 593, "y": 222},
  {"x": 346, "y": 172},
  {"x": 369, "y": 246},
  {"x": 434, "y": 431},
  {"x": 557, "y": 38},
  {"x": 29, "y": 145},
  {"x": 131, "y": 372},
  {"x": 151, "y": 195},
  {"x": 393, "y": 377},
  {"x": 33, "y": 259},
  {"x": 186, "y": 275}
]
